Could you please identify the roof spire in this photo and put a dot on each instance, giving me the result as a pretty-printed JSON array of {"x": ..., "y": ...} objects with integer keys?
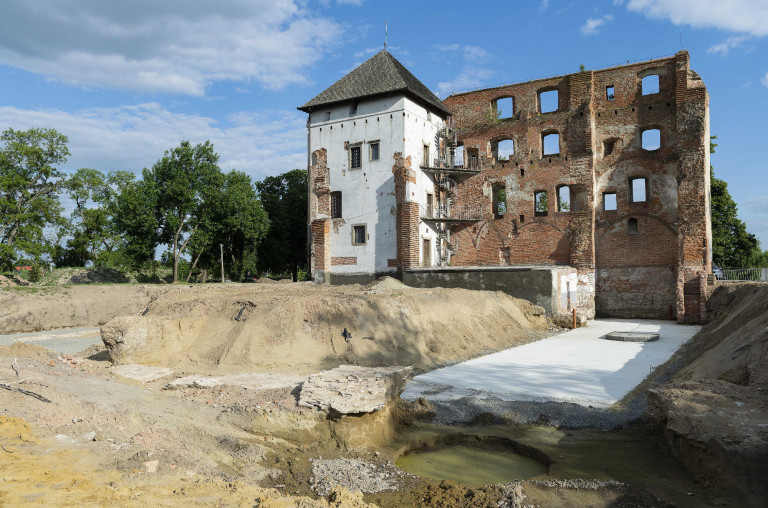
[{"x": 386, "y": 35}]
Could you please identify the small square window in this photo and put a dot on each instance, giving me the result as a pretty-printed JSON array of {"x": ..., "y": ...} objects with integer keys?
[
  {"x": 609, "y": 93},
  {"x": 374, "y": 151},
  {"x": 609, "y": 201},
  {"x": 354, "y": 157},
  {"x": 359, "y": 235}
]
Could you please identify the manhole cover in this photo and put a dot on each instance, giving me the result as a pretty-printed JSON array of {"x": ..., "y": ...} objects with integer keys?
[{"x": 632, "y": 336}]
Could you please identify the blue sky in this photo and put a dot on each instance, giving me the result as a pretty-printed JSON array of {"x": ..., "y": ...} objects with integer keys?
[{"x": 127, "y": 80}]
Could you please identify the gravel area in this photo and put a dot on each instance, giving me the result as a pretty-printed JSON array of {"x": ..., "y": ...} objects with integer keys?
[{"x": 355, "y": 475}]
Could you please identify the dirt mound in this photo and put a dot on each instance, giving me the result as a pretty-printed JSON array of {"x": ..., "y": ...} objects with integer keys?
[
  {"x": 32, "y": 309},
  {"x": 299, "y": 327},
  {"x": 387, "y": 283},
  {"x": 712, "y": 413}
]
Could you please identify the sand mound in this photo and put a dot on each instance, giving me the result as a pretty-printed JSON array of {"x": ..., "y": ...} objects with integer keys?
[
  {"x": 299, "y": 327},
  {"x": 387, "y": 283}
]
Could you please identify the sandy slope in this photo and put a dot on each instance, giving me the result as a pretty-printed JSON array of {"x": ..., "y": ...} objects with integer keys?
[{"x": 301, "y": 327}]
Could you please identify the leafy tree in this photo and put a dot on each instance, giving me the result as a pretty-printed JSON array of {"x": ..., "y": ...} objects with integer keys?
[
  {"x": 29, "y": 186},
  {"x": 732, "y": 245},
  {"x": 284, "y": 198},
  {"x": 91, "y": 225},
  {"x": 135, "y": 217},
  {"x": 238, "y": 222},
  {"x": 187, "y": 181}
]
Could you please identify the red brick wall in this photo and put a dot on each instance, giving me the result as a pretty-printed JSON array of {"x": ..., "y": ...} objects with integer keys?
[
  {"x": 673, "y": 221},
  {"x": 343, "y": 260}
]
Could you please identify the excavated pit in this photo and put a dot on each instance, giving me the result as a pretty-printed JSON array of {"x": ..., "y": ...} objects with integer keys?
[{"x": 473, "y": 459}]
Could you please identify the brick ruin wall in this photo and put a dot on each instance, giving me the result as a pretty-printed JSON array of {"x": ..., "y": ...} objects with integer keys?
[{"x": 637, "y": 274}]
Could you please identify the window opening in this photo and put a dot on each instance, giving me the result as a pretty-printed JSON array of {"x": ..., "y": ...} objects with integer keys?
[
  {"x": 608, "y": 146},
  {"x": 499, "y": 201},
  {"x": 522, "y": 218},
  {"x": 327, "y": 116},
  {"x": 314, "y": 158},
  {"x": 505, "y": 149},
  {"x": 609, "y": 93},
  {"x": 550, "y": 143},
  {"x": 354, "y": 155},
  {"x": 425, "y": 156},
  {"x": 353, "y": 108},
  {"x": 358, "y": 234},
  {"x": 430, "y": 205},
  {"x": 472, "y": 158},
  {"x": 563, "y": 198},
  {"x": 336, "y": 205},
  {"x": 426, "y": 253},
  {"x": 650, "y": 84},
  {"x": 609, "y": 201},
  {"x": 374, "y": 151},
  {"x": 651, "y": 139},
  {"x": 632, "y": 226},
  {"x": 522, "y": 172},
  {"x": 548, "y": 101},
  {"x": 540, "y": 205},
  {"x": 458, "y": 156},
  {"x": 638, "y": 191},
  {"x": 504, "y": 107}
]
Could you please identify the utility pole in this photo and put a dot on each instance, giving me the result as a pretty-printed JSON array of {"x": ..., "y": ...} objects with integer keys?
[{"x": 221, "y": 247}]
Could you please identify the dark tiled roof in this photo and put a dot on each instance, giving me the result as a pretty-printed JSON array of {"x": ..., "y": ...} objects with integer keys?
[{"x": 379, "y": 75}]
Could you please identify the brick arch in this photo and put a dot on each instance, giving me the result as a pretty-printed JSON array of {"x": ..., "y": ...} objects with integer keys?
[
  {"x": 655, "y": 244},
  {"x": 540, "y": 242}
]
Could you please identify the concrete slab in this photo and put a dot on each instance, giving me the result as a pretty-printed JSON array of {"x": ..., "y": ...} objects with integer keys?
[
  {"x": 577, "y": 366},
  {"x": 249, "y": 381},
  {"x": 66, "y": 341},
  {"x": 142, "y": 373}
]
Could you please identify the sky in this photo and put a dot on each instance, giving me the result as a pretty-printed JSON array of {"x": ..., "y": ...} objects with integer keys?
[{"x": 126, "y": 81}]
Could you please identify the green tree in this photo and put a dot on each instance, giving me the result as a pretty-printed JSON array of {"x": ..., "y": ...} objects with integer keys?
[
  {"x": 284, "y": 198},
  {"x": 732, "y": 245},
  {"x": 187, "y": 181},
  {"x": 135, "y": 218},
  {"x": 91, "y": 224},
  {"x": 29, "y": 187},
  {"x": 238, "y": 222}
]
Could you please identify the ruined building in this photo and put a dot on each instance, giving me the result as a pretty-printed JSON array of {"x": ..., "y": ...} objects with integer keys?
[{"x": 587, "y": 191}]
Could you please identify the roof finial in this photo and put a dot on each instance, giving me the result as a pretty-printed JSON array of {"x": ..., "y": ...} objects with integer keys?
[{"x": 386, "y": 35}]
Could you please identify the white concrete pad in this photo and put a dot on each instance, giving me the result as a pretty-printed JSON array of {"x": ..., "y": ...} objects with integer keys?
[{"x": 578, "y": 366}]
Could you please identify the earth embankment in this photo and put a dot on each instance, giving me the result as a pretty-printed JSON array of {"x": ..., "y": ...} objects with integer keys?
[
  {"x": 713, "y": 410},
  {"x": 304, "y": 328},
  {"x": 33, "y": 309}
]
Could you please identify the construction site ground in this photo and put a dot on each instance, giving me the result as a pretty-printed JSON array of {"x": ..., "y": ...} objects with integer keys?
[{"x": 217, "y": 422}]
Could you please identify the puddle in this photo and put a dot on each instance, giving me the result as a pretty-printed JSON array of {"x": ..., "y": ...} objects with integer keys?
[{"x": 473, "y": 460}]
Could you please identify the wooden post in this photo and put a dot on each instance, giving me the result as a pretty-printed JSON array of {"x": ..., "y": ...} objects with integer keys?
[
  {"x": 574, "y": 319},
  {"x": 221, "y": 247}
]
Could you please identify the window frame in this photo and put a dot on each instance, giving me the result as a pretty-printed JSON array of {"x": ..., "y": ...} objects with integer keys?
[
  {"x": 371, "y": 144},
  {"x": 352, "y": 148},
  {"x": 354, "y": 234},
  {"x": 336, "y": 205}
]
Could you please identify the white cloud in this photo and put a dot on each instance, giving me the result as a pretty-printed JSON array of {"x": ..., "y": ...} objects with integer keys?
[
  {"x": 728, "y": 44},
  {"x": 544, "y": 5},
  {"x": 167, "y": 47},
  {"x": 591, "y": 26},
  {"x": 764, "y": 81},
  {"x": 759, "y": 205},
  {"x": 741, "y": 16},
  {"x": 474, "y": 72},
  {"x": 134, "y": 137}
]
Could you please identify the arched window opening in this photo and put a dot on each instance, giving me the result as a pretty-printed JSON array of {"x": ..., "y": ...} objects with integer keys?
[{"x": 632, "y": 226}]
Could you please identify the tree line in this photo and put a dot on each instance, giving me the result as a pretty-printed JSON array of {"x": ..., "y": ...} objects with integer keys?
[{"x": 184, "y": 203}]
